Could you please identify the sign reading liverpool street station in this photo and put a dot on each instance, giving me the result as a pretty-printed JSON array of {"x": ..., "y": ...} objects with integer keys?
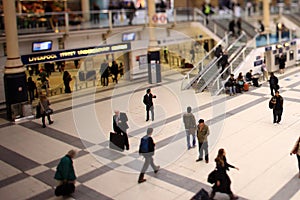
[{"x": 73, "y": 53}]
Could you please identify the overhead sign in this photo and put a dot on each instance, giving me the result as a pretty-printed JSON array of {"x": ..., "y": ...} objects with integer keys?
[{"x": 73, "y": 53}]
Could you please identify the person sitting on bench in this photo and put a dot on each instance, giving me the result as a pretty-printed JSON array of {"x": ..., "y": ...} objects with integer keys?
[{"x": 254, "y": 79}]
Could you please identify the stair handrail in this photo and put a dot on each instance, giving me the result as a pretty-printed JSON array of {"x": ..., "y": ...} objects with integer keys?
[{"x": 200, "y": 65}]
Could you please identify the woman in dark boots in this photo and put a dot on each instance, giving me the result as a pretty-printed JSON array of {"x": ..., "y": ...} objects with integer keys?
[
  {"x": 223, "y": 181},
  {"x": 44, "y": 106}
]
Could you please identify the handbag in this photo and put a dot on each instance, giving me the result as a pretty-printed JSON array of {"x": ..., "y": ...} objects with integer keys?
[
  {"x": 212, "y": 176},
  {"x": 64, "y": 189},
  {"x": 48, "y": 111}
]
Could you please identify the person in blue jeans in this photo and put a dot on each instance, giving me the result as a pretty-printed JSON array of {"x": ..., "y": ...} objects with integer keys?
[
  {"x": 202, "y": 133},
  {"x": 190, "y": 127}
]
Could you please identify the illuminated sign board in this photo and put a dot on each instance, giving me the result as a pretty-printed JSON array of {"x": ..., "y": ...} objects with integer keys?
[{"x": 73, "y": 53}]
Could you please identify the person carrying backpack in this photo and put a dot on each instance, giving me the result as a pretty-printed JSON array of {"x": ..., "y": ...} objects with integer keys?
[{"x": 146, "y": 149}]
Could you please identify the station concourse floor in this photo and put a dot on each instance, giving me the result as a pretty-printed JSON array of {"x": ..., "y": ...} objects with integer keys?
[{"x": 241, "y": 124}]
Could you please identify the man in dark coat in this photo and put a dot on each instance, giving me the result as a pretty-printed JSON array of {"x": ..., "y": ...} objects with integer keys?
[
  {"x": 115, "y": 71},
  {"x": 149, "y": 104},
  {"x": 104, "y": 73},
  {"x": 148, "y": 155},
  {"x": 277, "y": 101},
  {"x": 120, "y": 126},
  {"x": 273, "y": 83}
]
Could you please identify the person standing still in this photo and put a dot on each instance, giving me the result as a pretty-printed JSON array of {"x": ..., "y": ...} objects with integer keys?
[
  {"x": 273, "y": 83},
  {"x": 147, "y": 147},
  {"x": 296, "y": 151},
  {"x": 65, "y": 170},
  {"x": 190, "y": 127},
  {"x": 277, "y": 101},
  {"x": 281, "y": 62},
  {"x": 115, "y": 71},
  {"x": 104, "y": 73},
  {"x": 148, "y": 101},
  {"x": 202, "y": 133},
  {"x": 120, "y": 126}
]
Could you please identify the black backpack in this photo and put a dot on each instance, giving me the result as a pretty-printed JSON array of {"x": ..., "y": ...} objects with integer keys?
[
  {"x": 271, "y": 105},
  {"x": 144, "y": 145}
]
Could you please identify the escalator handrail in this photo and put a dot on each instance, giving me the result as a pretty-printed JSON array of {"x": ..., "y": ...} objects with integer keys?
[
  {"x": 230, "y": 46},
  {"x": 187, "y": 75}
]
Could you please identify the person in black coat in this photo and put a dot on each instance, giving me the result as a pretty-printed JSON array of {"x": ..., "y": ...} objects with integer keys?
[
  {"x": 148, "y": 155},
  {"x": 231, "y": 27},
  {"x": 31, "y": 87},
  {"x": 115, "y": 71},
  {"x": 281, "y": 62},
  {"x": 149, "y": 104},
  {"x": 104, "y": 73},
  {"x": 223, "y": 181},
  {"x": 277, "y": 102},
  {"x": 67, "y": 79},
  {"x": 273, "y": 83},
  {"x": 120, "y": 126}
]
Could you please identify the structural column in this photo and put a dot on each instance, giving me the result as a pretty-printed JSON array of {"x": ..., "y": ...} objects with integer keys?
[
  {"x": 85, "y": 5},
  {"x": 14, "y": 72},
  {"x": 266, "y": 14},
  {"x": 154, "y": 71}
]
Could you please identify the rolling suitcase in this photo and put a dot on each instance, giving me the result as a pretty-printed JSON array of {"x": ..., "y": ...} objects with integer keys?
[
  {"x": 116, "y": 141},
  {"x": 246, "y": 86},
  {"x": 201, "y": 195}
]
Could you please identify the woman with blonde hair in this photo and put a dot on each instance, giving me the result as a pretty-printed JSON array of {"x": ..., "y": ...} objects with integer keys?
[
  {"x": 296, "y": 151},
  {"x": 223, "y": 181},
  {"x": 45, "y": 109}
]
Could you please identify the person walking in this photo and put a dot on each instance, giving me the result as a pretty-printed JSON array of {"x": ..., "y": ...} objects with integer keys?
[
  {"x": 277, "y": 102},
  {"x": 45, "y": 109},
  {"x": 148, "y": 101},
  {"x": 120, "y": 126},
  {"x": 147, "y": 148},
  {"x": 190, "y": 127},
  {"x": 223, "y": 181},
  {"x": 296, "y": 151},
  {"x": 273, "y": 83},
  {"x": 65, "y": 172},
  {"x": 67, "y": 79},
  {"x": 231, "y": 27},
  {"x": 202, "y": 133}
]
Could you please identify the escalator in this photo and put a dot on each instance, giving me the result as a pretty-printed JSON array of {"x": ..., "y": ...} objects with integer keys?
[{"x": 212, "y": 71}]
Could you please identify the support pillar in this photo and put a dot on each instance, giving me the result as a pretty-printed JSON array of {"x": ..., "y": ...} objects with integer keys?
[
  {"x": 14, "y": 72},
  {"x": 85, "y": 5},
  {"x": 154, "y": 70},
  {"x": 266, "y": 14}
]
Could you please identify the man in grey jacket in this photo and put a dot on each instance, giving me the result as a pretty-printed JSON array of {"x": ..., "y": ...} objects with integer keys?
[{"x": 190, "y": 127}]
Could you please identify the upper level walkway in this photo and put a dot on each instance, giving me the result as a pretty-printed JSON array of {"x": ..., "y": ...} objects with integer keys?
[{"x": 241, "y": 124}]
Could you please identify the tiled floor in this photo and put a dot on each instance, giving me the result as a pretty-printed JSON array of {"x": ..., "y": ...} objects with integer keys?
[{"x": 241, "y": 124}]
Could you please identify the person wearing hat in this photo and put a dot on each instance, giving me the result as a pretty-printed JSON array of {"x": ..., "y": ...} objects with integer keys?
[{"x": 202, "y": 133}]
